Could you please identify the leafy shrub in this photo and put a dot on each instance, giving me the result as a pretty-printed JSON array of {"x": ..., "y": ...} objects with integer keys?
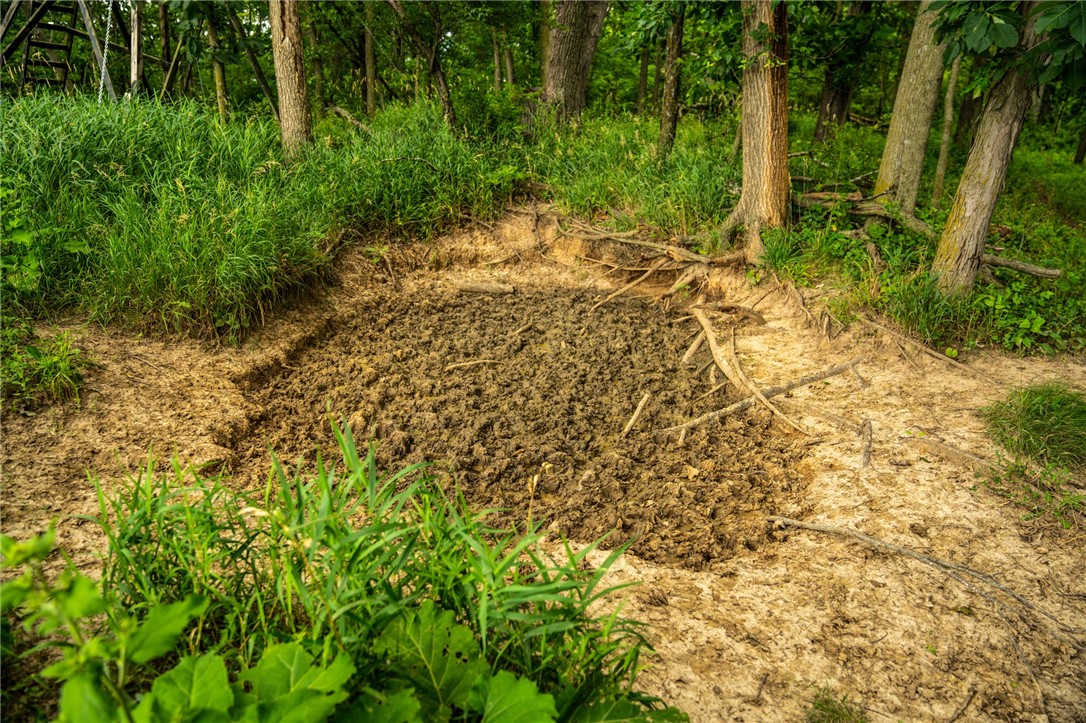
[{"x": 32, "y": 370}]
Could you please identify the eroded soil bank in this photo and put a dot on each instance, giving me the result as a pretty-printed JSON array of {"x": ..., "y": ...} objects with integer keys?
[{"x": 520, "y": 394}]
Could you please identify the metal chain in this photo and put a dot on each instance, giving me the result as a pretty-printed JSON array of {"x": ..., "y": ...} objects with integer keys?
[{"x": 105, "y": 51}]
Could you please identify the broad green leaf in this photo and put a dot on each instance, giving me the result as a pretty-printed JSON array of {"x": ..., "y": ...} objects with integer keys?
[
  {"x": 17, "y": 553},
  {"x": 288, "y": 687},
  {"x": 1077, "y": 25},
  {"x": 1003, "y": 34},
  {"x": 977, "y": 26},
  {"x": 438, "y": 655},
  {"x": 82, "y": 700},
  {"x": 373, "y": 707},
  {"x": 14, "y": 592},
  {"x": 195, "y": 685},
  {"x": 505, "y": 698},
  {"x": 158, "y": 633},
  {"x": 619, "y": 710},
  {"x": 80, "y": 598}
]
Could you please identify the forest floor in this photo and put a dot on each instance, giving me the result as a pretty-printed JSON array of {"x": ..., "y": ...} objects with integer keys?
[{"x": 483, "y": 352}]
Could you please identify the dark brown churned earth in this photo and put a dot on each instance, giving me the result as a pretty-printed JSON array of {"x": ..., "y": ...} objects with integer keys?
[{"x": 534, "y": 416}]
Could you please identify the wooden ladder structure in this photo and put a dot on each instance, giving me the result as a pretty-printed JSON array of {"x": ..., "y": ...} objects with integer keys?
[{"x": 46, "y": 40}]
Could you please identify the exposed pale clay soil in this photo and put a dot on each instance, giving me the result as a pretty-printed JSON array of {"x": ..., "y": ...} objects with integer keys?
[{"x": 520, "y": 394}]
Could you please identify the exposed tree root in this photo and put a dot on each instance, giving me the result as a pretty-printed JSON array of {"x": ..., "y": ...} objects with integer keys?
[{"x": 655, "y": 267}]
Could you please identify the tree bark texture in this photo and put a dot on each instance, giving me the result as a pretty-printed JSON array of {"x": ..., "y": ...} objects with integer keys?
[
  {"x": 840, "y": 80},
  {"x": 371, "y": 63},
  {"x": 219, "y": 72},
  {"x": 295, "y": 121},
  {"x": 510, "y": 75},
  {"x": 917, "y": 93},
  {"x": 669, "y": 111},
  {"x": 578, "y": 24},
  {"x": 546, "y": 12},
  {"x": 1080, "y": 152},
  {"x": 961, "y": 246},
  {"x": 136, "y": 43},
  {"x": 643, "y": 80},
  {"x": 948, "y": 124},
  {"x": 164, "y": 38},
  {"x": 497, "y": 60},
  {"x": 763, "y": 203}
]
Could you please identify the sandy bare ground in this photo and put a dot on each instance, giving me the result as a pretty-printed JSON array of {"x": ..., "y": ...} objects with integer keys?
[{"x": 748, "y": 618}]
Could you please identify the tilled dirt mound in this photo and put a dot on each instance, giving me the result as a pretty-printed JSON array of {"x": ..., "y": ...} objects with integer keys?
[{"x": 525, "y": 395}]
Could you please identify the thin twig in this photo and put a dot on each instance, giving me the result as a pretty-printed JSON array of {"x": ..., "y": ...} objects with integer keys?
[
  {"x": 637, "y": 414},
  {"x": 761, "y": 685},
  {"x": 958, "y": 713},
  {"x": 930, "y": 352},
  {"x": 767, "y": 393},
  {"x": 627, "y": 287},
  {"x": 865, "y": 430},
  {"x": 734, "y": 359},
  {"x": 694, "y": 347}
]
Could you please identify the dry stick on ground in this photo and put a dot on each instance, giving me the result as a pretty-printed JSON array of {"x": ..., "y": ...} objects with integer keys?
[
  {"x": 684, "y": 280},
  {"x": 463, "y": 365},
  {"x": 865, "y": 430},
  {"x": 908, "y": 358},
  {"x": 726, "y": 308},
  {"x": 733, "y": 359},
  {"x": 655, "y": 267},
  {"x": 346, "y": 115},
  {"x": 930, "y": 352},
  {"x": 637, "y": 414},
  {"x": 958, "y": 713},
  {"x": 1021, "y": 266},
  {"x": 694, "y": 346},
  {"x": 951, "y": 568},
  {"x": 767, "y": 393}
]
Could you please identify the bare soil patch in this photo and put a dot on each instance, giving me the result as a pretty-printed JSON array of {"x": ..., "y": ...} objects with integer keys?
[{"x": 521, "y": 399}]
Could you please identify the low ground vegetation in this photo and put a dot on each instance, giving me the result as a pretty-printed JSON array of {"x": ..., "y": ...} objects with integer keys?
[{"x": 341, "y": 591}]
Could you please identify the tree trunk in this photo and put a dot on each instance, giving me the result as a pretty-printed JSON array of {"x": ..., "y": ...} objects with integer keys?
[
  {"x": 317, "y": 66},
  {"x": 840, "y": 81},
  {"x": 254, "y": 63},
  {"x": 431, "y": 50},
  {"x": 371, "y": 63},
  {"x": 136, "y": 43},
  {"x": 497, "y": 60},
  {"x": 164, "y": 39},
  {"x": 1080, "y": 153},
  {"x": 573, "y": 44},
  {"x": 669, "y": 112},
  {"x": 546, "y": 12},
  {"x": 948, "y": 123},
  {"x": 510, "y": 76},
  {"x": 763, "y": 203},
  {"x": 958, "y": 257},
  {"x": 907, "y": 139},
  {"x": 643, "y": 80},
  {"x": 219, "y": 71},
  {"x": 295, "y": 122}
]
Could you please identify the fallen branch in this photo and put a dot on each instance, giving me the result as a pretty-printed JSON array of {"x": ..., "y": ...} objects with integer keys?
[
  {"x": 726, "y": 308},
  {"x": 477, "y": 362},
  {"x": 733, "y": 358},
  {"x": 930, "y": 352},
  {"x": 694, "y": 346},
  {"x": 767, "y": 393},
  {"x": 951, "y": 452},
  {"x": 964, "y": 706},
  {"x": 346, "y": 115},
  {"x": 637, "y": 414},
  {"x": 627, "y": 287},
  {"x": 1021, "y": 266},
  {"x": 865, "y": 430},
  {"x": 692, "y": 272},
  {"x": 952, "y": 568}
]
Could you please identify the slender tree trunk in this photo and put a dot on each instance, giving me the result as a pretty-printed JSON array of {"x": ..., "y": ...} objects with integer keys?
[
  {"x": 669, "y": 112},
  {"x": 1080, "y": 152},
  {"x": 497, "y": 60},
  {"x": 573, "y": 44},
  {"x": 840, "y": 80},
  {"x": 657, "y": 70},
  {"x": 254, "y": 63},
  {"x": 431, "y": 50},
  {"x": 136, "y": 43},
  {"x": 948, "y": 124},
  {"x": 643, "y": 80},
  {"x": 763, "y": 203},
  {"x": 164, "y": 38},
  {"x": 295, "y": 121},
  {"x": 510, "y": 76},
  {"x": 917, "y": 94},
  {"x": 961, "y": 246},
  {"x": 219, "y": 71},
  {"x": 546, "y": 12},
  {"x": 371, "y": 63},
  {"x": 317, "y": 66}
]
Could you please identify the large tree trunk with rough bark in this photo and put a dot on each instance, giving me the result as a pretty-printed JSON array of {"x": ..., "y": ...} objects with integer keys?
[
  {"x": 578, "y": 24},
  {"x": 218, "y": 70},
  {"x": 840, "y": 80},
  {"x": 763, "y": 203},
  {"x": 669, "y": 111},
  {"x": 948, "y": 124},
  {"x": 961, "y": 246},
  {"x": 917, "y": 93},
  {"x": 295, "y": 121},
  {"x": 546, "y": 13},
  {"x": 643, "y": 80}
]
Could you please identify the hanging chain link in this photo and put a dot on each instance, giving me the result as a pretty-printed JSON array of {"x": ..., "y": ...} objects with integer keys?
[{"x": 105, "y": 51}]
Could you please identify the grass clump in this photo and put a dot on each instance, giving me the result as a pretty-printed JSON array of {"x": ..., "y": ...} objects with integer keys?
[
  {"x": 1044, "y": 428},
  {"x": 37, "y": 370},
  {"x": 828, "y": 708},
  {"x": 397, "y": 593}
]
